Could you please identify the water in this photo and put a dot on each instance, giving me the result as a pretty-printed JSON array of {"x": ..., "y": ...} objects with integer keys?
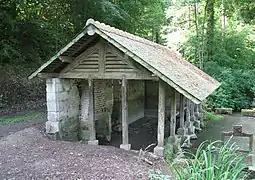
[
  {"x": 143, "y": 132},
  {"x": 214, "y": 128}
]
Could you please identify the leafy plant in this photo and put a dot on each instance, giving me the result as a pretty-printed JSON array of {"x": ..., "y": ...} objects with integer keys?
[{"x": 213, "y": 161}]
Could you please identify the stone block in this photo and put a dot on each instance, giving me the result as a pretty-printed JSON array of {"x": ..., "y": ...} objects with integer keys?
[
  {"x": 248, "y": 112},
  {"x": 56, "y": 116},
  {"x": 93, "y": 142},
  {"x": 159, "y": 151},
  {"x": 53, "y": 116},
  {"x": 53, "y": 106},
  {"x": 84, "y": 135},
  {"x": 52, "y": 127},
  {"x": 126, "y": 147},
  {"x": 223, "y": 110}
]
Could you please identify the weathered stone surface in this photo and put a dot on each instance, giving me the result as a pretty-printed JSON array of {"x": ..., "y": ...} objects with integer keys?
[
  {"x": 52, "y": 127},
  {"x": 63, "y": 102},
  {"x": 248, "y": 112},
  {"x": 69, "y": 129},
  {"x": 126, "y": 147},
  {"x": 223, "y": 110},
  {"x": 159, "y": 151},
  {"x": 93, "y": 142}
]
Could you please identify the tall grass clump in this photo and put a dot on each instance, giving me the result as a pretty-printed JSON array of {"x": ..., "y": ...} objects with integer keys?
[{"x": 213, "y": 161}]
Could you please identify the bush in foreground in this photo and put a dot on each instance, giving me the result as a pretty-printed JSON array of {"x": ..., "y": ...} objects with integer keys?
[{"x": 212, "y": 161}]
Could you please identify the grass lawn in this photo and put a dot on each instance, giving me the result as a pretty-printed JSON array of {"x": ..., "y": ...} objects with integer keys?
[
  {"x": 212, "y": 116},
  {"x": 18, "y": 119}
]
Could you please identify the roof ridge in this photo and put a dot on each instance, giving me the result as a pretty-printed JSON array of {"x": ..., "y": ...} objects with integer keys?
[{"x": 108, "y": 28}]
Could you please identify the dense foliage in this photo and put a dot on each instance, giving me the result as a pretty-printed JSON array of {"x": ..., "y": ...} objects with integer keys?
[
  {"x": 221, "y": 41},
  {"x": 220, "y": 36},
  {"x": 31, "y": 30}
]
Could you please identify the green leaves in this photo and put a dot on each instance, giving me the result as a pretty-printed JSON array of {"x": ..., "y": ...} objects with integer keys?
[{"x": 213, "y": 161}]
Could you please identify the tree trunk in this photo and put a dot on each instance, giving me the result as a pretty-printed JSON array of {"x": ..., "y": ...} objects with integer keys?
[
  {"x": 157, "y": 36},
  {"x": 223, "y": 21},
  {"x": 210, "y": 29},
  {"x": 203, "y": 34},
  {"x": 197, "y": 51}
]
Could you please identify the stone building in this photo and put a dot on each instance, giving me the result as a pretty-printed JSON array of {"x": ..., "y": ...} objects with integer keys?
[{"x": 105, "y": 77}]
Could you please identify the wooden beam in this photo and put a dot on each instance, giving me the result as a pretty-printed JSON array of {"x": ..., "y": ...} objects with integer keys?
[
  {"x": 84, "y": 44},
  {"x": 161, "y": 114},
  {"x": 101, "y": 61},
  {"x": 67, "y": 59},
  {"x": 124, "y": 111},
  {"x": 91, "y": 115},
  {"x": 173, "y": 113},
  {"x": 80, "y": 58},
  {"x": 181, "y": 111},
  {"x": 95, "y": 75},
  {"x": 188, "y": 111}
]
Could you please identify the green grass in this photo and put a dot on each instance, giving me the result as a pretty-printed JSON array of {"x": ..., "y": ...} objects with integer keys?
[
  {"x": 18, "y": 119},
  {"x": 209, "y": 116}
]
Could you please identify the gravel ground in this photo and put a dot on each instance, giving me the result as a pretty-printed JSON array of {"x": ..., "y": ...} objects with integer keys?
[{"x": 29, "y": 154}]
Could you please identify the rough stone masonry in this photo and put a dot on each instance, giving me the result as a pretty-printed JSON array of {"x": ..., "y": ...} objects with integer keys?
[{"x": 63, "y": 108}]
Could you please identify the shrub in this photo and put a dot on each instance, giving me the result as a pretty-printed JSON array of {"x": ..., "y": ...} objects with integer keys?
[
  {"x": 210, "y": 116},
  {"x": 213, "y": 161}
]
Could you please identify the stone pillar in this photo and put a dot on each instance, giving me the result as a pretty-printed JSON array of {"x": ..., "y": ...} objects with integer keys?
[
  {"x": 159, "y": 149},
  {"x": 124, "y": 118},
  {"x": 173, "y": 113},
  {"x": 63, "y": 102},
  {"x": 84, "y": 114},
  {"x": 92, "y": 129}
]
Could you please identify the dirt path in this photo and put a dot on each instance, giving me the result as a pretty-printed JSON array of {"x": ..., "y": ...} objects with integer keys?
[
  {"x": 12, "y": 128},
  {"x": 28, "y": 154}
]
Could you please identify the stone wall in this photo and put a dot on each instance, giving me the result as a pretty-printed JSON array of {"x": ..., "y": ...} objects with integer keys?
[
  {"x": 151, "y": 100},
  {"x": 68, "y": 105},
  {"x": 103, "y": 94},
  {"x": 63, "y": 102},
  {"x": 135, "y": 100}
]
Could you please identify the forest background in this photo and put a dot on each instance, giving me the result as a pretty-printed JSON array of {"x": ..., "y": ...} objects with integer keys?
[{"x": 218, "y": 36}]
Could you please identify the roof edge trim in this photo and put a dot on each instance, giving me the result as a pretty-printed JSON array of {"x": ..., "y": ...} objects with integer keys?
[{"x": 53, "y": 58}]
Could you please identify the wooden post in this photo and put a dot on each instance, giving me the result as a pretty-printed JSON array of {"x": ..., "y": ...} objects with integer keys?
[
  {"x": 159, "y": 149},
  {"x": 192, "y": 111},
  {"x": 188, "y": 111},
  {"x": 197, "y": 114},
  {"x": 201, "y": 114},
  {"x": 181, "y": 111},
  {"x": 192, "y": 120},
  {"x": 124, "y": 144},
  {"x": 173, "y": 113},
  {"x": 92, "y": 139}
]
